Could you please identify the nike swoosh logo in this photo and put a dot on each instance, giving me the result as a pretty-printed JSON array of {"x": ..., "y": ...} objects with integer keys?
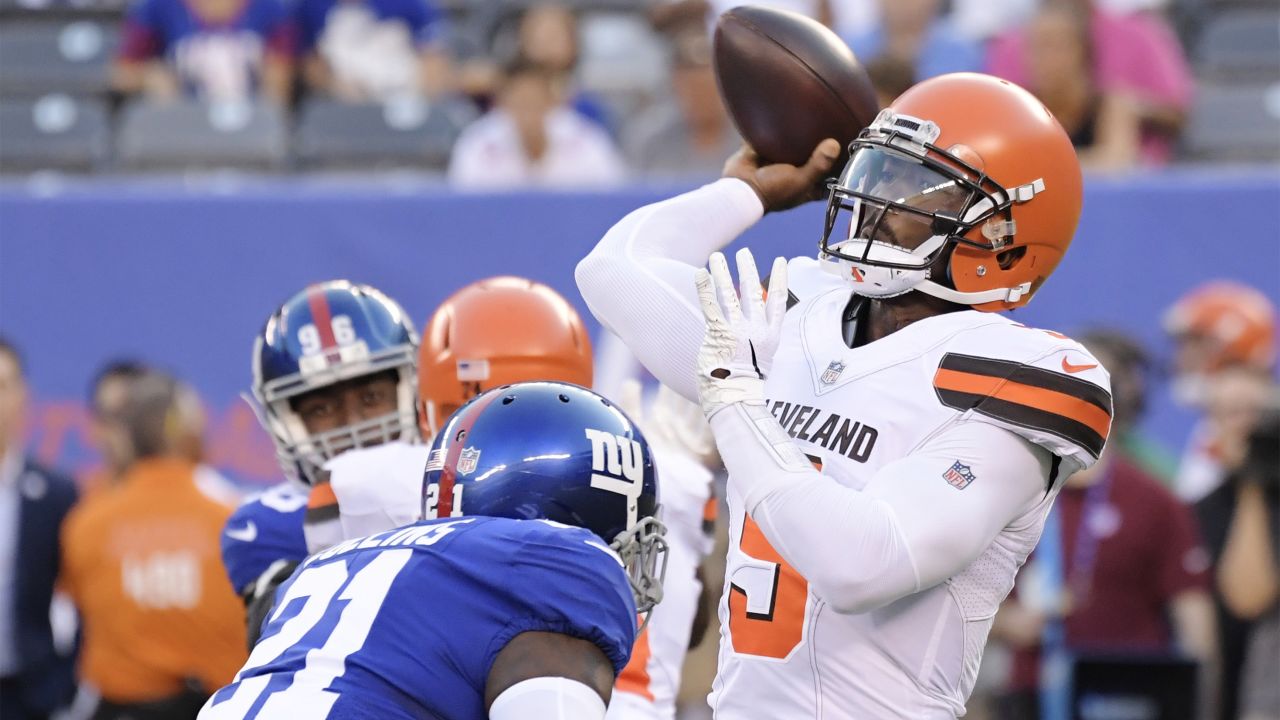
[
  {"x": 1076, "y": 368},
  {"x": 248, "y": 533}
]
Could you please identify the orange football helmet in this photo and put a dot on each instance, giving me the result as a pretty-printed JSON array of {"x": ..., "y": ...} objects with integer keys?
[
  {"x": 965, "y": 188},
  {"x": 1237, "y": 322},
  {"x": 495, "y": 332}
]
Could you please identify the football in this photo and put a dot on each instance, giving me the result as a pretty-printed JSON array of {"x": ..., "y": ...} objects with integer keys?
[{"x": 789, "y": 82}]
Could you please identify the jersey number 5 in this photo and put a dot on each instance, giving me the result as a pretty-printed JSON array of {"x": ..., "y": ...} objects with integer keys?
[{"x": 767, "y": 599}]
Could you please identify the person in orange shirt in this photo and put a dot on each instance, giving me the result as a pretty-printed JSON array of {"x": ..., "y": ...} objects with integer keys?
[{"x": 162, "y": 626}]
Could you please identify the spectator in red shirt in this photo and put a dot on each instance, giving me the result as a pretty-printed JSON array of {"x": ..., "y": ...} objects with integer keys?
[{"x": 1134, "y": 578}]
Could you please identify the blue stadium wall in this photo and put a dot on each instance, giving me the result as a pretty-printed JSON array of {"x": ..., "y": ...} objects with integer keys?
[{"x": 183, "y": 276}]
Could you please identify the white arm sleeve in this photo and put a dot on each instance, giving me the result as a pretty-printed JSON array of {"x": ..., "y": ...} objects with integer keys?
[
  {"x": 548, "y": 698},
  {"x": 638, "y": 281},
  {"x": 907, "y": 530}
]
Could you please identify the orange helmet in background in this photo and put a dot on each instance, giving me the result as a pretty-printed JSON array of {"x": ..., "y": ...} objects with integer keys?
[
  {"x": 965, "y": 188},
  {"x": 496, "y": 332},
  {"x": 1237, "y": 322}
]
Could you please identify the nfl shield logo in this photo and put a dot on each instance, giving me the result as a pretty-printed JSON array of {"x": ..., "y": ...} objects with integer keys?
[
  {"x": 832, "y": 373},
  {"x": 467, "y": 460},
  {"x": 959, "y": 475}
]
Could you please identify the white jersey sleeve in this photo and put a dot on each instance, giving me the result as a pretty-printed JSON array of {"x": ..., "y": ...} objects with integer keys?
[
  {"x": 638, "y": 281},
  {"x": 378, "y": 488},
  {"x": 918, "y": 521}
]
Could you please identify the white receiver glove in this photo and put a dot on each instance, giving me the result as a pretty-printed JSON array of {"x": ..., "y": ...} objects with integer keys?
[{"x": 742, "y": 334}]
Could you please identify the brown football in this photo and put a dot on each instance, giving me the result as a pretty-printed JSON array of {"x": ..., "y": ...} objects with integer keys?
[{"x": 789, "y": 82}]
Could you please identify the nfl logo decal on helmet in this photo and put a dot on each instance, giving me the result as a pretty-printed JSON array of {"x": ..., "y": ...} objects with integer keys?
[{"x": 467, "y": 460}]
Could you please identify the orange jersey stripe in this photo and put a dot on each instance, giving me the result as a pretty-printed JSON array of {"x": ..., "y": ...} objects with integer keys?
[
  {"x": 322, "y": 496},
  {"x": 1068, "y": 406}
]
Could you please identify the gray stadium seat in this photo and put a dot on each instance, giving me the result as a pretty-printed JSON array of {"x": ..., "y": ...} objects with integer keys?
[
  {"x": 622, "y": 59},
  {"x": 1241, "y": 44},
  {"x": 56, "y": 132},
  {"x": 195, "y": 135},
  {"x": 1235, "y": 123},
  {"x": 43, "y": 56},
  {"x": 398, "y": 134}
]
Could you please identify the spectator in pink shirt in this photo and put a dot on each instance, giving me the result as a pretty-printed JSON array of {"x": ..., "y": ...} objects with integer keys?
[{"x": 1132, "y": 61}]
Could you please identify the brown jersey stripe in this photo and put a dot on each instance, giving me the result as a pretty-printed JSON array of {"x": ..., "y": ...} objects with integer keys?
[
  {"x": 1030, "y": 375},
  {"x": 1068, "y": 406},
  {"x": 1025, "y": 416}
]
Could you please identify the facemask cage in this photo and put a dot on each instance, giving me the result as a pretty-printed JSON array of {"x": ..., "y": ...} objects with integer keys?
[
  {"x": 897, "y": 151},
  {"x": 643, "y": 550}
]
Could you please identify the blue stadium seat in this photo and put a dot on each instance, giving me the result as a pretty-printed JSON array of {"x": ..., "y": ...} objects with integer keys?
[{"x": 56, "y": 132}]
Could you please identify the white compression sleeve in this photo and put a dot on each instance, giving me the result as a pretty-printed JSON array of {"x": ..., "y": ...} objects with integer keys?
[
  {"x": 548, "y": 698},
  {"x": 638, "y": 281},
  {"x": 907, "y": 530}
]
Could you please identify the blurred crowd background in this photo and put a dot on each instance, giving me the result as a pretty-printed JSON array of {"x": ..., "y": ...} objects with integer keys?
[
  {"x": 170, "y": 170},
  {"x": 514, "y": 93}
]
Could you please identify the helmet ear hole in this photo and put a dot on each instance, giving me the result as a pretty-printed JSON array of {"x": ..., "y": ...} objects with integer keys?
[{"x": 1010, "y": 257}]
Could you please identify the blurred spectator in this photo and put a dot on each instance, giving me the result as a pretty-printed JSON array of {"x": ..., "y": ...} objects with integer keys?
[
  {"x": 548, "y": 36},
  {"x": 35, "y": 679},
  {"x": 373, "y": 50},
  {"x": 690, "y": 134},
  {"x": 1249, "y": 571},
  {"x": 890, "y": 77},
  {"x": 1104, "y": 125},
  {"x": 1217, "y": 326},
  {"x": 913, "y": 31},
  {"x": 162, "y": 626},
  {"x": 1133, "y": 577},
  {"x": 214, "y": 50},
  {"x": 1132, "y": 66},
  {"x": 1234, "y": 398},
  {"x": 107, "y": 393},
  {"x": 531, "y": 140}
]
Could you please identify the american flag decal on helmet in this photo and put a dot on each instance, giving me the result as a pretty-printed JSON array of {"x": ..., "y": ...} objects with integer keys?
[{"x": 959, "y": 475}]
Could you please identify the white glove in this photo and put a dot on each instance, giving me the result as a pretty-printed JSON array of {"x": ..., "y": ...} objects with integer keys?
[{"x": 742, "y": 335}]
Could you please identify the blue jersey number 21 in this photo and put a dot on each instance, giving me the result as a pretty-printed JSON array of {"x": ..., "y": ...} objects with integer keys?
[{"x": 307, "y": 696}]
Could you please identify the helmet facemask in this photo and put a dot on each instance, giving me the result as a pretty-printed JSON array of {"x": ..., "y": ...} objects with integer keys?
[
  {"x": 302, "y": 454},
  {"x": 643, "y": 551},
  {"x": 909, "y": 202}
]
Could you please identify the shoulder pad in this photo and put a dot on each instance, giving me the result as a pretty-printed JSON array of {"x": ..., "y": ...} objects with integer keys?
[{"x": 1047, "y": 389}]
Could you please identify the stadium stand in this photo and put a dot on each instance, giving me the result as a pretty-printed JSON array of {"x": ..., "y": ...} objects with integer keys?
[
  {"x": 410, "y": 133},
  {"x": 53, "y": 132},
  {"x": 40, "y": 56},
  {"x": 191, "y": 134}
]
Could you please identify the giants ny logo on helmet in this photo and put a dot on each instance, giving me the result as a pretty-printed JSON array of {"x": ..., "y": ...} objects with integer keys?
[{"x": 623, "y": 460}]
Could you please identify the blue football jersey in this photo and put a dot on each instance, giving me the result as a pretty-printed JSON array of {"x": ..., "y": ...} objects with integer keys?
[
  {"x": 405, "y": 625},
  {"x": 266, "y": 528}
]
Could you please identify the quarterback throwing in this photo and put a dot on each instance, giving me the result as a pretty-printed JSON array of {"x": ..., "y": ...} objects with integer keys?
[{"x": 893, "y": 443}]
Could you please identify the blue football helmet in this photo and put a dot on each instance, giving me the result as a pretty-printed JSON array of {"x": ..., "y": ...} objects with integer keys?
[
  {"x": 329, "y": 333},
  {"x": 559, "y": 452}
]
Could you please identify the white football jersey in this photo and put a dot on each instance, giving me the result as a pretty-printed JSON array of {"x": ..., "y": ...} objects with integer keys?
[{"x": 784, "y": 652}]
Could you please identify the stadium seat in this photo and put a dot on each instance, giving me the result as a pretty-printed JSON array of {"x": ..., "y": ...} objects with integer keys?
[
  {"x": 621, "y": 59},
  {"x": 1241, "y": 44},
  {"x": 1234, "y": 123},
  {"x": 56, "y": 132},
  {"x": 408, "y": 133},
  {"x": 195, "y": 135},
  {"x": 55, "y": 56}
]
